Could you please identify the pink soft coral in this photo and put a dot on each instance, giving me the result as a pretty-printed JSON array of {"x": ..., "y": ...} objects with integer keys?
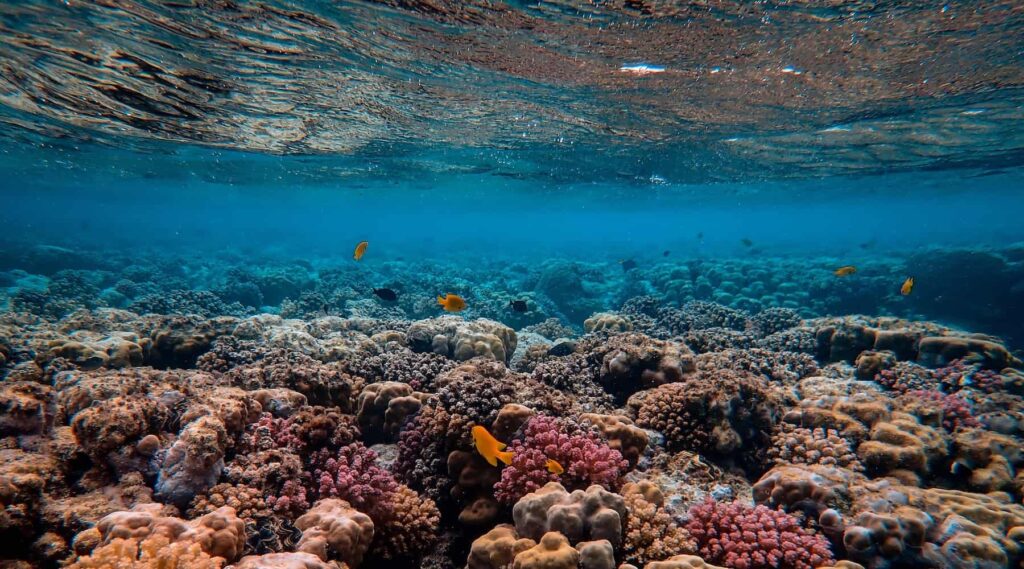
[
  {"x": 754, "y": 537},
  {"x": 584, "y": 456}
]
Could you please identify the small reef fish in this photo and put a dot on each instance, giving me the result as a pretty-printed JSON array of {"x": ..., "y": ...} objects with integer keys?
[
  {"x": 554, "y": 467},
  {"x": 518, "y": 306},
  {"x": 489, "y": 447},
  {"x": 628, "y": 265},
  {"x": 452, "y": 302},
  {"x": 908, "y": 286},
  {"x": 386, "y": 294},
  {"x": 845, "y": 271},
  {"x": 666, "y": 253},
  {"x": 360, "y": 250},
  {"x": 747, "y": 242}
]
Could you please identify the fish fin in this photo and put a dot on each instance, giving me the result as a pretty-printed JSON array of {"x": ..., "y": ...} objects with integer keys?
[
  {"x": 501, "y": 445},
  {"x": 491, "y": 459},
  {"x": 505, "y": 457},
  {"x": 440, "y": 300}
]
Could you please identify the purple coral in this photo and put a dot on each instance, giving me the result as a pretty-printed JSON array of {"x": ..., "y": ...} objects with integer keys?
[
  {"x": 959, "y": 374},
  {"x": 352, "y": 474},
  {"x": 740, "y": 536},
  {"x": 269, "y": 433},
  {"x": 292, "y": 500},
  {"x": 956, "y": 411},
  {"x": 907, "y": 376},
  {"x": 585, "y": 457}
]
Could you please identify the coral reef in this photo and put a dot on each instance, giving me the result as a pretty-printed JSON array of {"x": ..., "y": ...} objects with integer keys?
[{"x": 700, "y": 415}]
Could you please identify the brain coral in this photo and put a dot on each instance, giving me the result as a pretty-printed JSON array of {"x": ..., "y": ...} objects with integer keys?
[
  {"x": 334, "y": 530},
  {"x": 460, "y": 340},
  {"x": 607, "y": 322},
  {"x": 219, "y": 533},
  {"x": 580, "y": 516},
  {"x": 156, "y": 552},
  {"x": 497, "y": 548},
  {"x": 553, "y": 552}
]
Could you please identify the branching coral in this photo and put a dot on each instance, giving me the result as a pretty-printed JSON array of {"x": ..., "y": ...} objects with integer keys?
[
  {"x": 651, "y": 534},
  {"x": 744, "y": 537},
  {"x": 585, "y": 458},
  {"x": 352, "y": 474},
  {"x": 408, "y": 526}
]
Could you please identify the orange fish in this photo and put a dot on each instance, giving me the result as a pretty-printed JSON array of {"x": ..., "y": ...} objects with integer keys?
[
  {"x": 360, "y": 250},
  {"x": 452, "y": 303},
  {"x": 554, "y": 467},
  {"x": 845, "y": 271},
  {"x": 908, "y": 286},
  {"x": 489, "y": 447}
]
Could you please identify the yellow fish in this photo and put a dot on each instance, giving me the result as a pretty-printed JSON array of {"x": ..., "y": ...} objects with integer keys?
[
  {"x": 554, "y": 467},
  {"x": 908, "y": 286},
  {"x": 452, "y": 302},
  {"x": 360, "y": 250},
  {"x": 489, "y": 447},
  {"x": 845, "y": 271}
]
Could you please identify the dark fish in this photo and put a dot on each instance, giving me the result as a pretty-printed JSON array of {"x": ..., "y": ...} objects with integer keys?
[
  {"x": 700, "y": 236},
  {"x": 868, "y": 244},
  {"x": 518, "y": 306},
  {"x": 563, "y": 348},
  {"x": 747, "y": 242},
  {"x": 628, "y": 265},
  {"x": 386, "y": 294},
  {"x": 666, "y": 253}
]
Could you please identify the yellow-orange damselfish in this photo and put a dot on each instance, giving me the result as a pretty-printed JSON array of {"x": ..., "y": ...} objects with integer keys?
[
  {"x": 489, "y": 447},
  {"x": 554, "y": 467},
  {"x": 360, "y": 250},
  {"x": 845, "y": 271},
  {"x": 908, "y": 286},
  {"x": 452, "y": 302}
]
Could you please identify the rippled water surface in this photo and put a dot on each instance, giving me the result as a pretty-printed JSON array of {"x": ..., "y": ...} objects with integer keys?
[{"x": 559, "y": 91}]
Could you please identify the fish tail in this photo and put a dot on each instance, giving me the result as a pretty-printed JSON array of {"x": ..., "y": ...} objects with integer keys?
[{"x": 505, "y": 457}]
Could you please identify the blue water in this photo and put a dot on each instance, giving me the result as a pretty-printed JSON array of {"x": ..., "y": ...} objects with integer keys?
[{"x": 183, "y": 185}]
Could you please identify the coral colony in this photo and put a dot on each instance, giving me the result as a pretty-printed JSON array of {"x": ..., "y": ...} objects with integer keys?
[{"x": 273, "y": 416}]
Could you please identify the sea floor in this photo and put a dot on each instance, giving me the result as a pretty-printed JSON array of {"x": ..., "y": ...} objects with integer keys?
[{"x": 272, "y": 411}]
